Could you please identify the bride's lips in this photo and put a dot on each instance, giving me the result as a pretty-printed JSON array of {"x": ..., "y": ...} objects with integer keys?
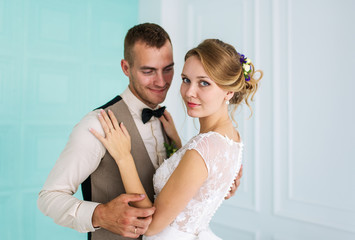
[{"x": 192, "y": 105}]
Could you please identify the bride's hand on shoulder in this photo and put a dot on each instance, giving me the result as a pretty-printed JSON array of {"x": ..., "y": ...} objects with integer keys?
[
  {"x": 117, "y": 140},
  {"x": 167, "y": 120}
]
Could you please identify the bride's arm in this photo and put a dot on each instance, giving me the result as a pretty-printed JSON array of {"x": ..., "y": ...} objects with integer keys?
[
  {"x": 132, "y": 182},
  {"x": 182, "y": 185},
  {"x": 117, "y": 141}
]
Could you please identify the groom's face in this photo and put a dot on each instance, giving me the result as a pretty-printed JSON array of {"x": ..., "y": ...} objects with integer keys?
[{"x": 150, "y": 73}]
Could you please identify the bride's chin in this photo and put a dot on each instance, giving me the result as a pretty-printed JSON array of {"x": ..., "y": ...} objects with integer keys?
[{"x": 193, "y": 115}]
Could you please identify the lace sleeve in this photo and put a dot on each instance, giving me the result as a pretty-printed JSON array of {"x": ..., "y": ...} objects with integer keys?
[
  {"x": 206, "y": 149},
  {"x": 217, "y": 151}
]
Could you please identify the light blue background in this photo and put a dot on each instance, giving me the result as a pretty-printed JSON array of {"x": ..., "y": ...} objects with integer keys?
[{"x": 60, "y": 59}]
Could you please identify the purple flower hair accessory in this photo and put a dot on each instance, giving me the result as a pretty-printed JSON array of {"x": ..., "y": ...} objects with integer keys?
[{"x": 246, "y": 66}]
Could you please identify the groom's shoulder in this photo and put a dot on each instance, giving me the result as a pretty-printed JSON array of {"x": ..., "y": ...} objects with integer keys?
[
  {"x": 90, "y": 120},
  {"x": 113, "y": 101}
]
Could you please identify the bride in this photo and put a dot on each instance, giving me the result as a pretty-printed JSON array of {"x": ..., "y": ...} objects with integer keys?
[{"x": 192, "y": 183}]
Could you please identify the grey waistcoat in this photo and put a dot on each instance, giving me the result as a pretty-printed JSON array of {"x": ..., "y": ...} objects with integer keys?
[{"x": 105, "y": 183}]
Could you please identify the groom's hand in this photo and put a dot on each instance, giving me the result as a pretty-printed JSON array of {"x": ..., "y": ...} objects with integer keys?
[
  {"x": 236, "y": 184},
  {"x": 119, "y": 217}
]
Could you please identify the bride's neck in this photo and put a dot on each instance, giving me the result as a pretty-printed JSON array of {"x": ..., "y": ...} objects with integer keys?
[{"x": 215, "y": 123}]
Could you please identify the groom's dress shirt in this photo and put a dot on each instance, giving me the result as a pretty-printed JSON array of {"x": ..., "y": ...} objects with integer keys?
[{"x": 81, "y": 156}]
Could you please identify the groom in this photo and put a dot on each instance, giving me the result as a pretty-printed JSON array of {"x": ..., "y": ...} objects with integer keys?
[{"x": 105, "y": 212}]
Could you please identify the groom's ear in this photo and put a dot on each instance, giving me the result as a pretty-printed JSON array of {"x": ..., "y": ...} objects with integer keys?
[{"x": 125, "y": 67}]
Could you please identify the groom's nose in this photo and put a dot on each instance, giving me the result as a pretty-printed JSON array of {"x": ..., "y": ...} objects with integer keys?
[{"x": 159, "y": 79}]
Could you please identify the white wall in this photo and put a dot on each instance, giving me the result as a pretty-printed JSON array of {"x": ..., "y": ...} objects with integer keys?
[{"x": 299, "y": 157}]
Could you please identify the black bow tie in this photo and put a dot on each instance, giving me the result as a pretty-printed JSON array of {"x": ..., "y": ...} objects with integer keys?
[{"x": 147, "y": 113}]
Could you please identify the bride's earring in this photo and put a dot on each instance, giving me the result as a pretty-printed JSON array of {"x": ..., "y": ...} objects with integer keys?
[{"x": 227, "y": 102}]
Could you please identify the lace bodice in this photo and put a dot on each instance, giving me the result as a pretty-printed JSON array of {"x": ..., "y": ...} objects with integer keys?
[{"x": 223, "y": 160}]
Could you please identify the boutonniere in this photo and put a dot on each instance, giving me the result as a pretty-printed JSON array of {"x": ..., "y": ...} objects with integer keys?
[{"x": 170, "y": 149}]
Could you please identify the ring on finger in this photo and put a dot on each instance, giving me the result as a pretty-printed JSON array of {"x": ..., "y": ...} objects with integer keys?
[{"x": 135, "y": 230}]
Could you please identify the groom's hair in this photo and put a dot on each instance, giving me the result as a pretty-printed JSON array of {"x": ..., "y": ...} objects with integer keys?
[{"x": 151, "y": 34}]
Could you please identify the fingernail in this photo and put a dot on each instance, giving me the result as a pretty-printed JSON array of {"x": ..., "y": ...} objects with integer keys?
[{"x": 142, "y": 195}]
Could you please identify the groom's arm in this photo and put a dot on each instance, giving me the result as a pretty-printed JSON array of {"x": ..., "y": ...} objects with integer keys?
[
  {"x": 80, "y": 157},
  {"x": 119, "y": 217}
]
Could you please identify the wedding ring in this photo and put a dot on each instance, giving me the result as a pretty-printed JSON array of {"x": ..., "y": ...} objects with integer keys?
[{"x": 135, "y": 230}]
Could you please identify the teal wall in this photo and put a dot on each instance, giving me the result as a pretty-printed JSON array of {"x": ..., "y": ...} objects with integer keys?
[{"x": 58, "y": 60}]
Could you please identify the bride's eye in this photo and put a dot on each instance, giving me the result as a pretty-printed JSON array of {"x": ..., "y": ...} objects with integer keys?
[
  {"x": 204, "y": 83},
  {"x": 186, "y": 80}
]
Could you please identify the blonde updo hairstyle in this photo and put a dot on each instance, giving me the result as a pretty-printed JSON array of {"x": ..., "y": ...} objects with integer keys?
[{"x": 222, "y": 64}]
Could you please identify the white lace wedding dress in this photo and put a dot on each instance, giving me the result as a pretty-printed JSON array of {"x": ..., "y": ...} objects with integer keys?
[{"x": 223, "y": 158}]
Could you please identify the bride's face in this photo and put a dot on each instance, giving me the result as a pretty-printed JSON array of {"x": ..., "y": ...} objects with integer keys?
[{"x": 202, "y": 96}]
